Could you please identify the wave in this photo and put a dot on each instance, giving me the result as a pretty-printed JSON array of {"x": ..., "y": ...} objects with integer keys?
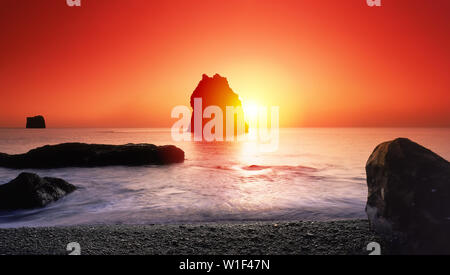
[{"x": 255, "y": 167}]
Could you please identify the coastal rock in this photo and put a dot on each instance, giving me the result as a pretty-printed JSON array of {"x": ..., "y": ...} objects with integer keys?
[
  {"x": 92, "y": 155},
  {"x": 35, "y": 122},
  {"x": 215, "y": 91},
  {"x": 29, "y": 190},
  {"x": 409, "y": 196}
]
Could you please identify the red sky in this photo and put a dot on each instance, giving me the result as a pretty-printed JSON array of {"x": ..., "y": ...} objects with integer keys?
[{"x": 114, "y": 63}]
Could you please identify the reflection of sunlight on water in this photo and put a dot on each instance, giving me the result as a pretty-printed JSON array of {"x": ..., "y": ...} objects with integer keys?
[
  {"x": 253, "y": 170},
  {"x": 250, "y": 152}
]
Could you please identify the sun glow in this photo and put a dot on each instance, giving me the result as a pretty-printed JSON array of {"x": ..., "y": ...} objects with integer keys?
[
  {"x": 250, "y": 111},
  {"x": 251, "y": 115}
]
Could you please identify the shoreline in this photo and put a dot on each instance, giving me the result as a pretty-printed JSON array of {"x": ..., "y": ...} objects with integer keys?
[{"x": 337, "y": 237}]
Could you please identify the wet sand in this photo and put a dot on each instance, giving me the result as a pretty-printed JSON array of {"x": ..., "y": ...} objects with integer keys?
[{"x": 250, "y": 238}]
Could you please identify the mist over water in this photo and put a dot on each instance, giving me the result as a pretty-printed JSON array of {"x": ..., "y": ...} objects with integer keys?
[{"x": 315, "y": 174}]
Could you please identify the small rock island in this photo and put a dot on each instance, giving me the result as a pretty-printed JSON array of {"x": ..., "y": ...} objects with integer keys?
[
  {"x": 93, "y": 155},
  {"x": 36, "y": 122}
]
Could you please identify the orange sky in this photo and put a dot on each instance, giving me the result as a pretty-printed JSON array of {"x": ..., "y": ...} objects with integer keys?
[{"x": 113, "y": 63}]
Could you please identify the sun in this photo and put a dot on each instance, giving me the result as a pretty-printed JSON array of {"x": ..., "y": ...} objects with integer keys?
[{"x": 251, "y": 112}]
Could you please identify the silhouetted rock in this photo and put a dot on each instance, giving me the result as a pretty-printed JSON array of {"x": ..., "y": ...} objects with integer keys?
[
  {"x": 409, "y": 196},
  {"x": 31, "y": 191},
  {"x": 216, "y": 91},
  {"x": 91, "y": 155},
  {"x": 35, "y": 122}
]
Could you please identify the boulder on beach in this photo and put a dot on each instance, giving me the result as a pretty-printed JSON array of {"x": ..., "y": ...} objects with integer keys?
[
  {"x": 92, "y": 155},
  {"x": 215, "y": 91},
  {"x": 36, "y": 122},
  {"x": 409, "y": 196},
  {"x": 29, "y": 190}
]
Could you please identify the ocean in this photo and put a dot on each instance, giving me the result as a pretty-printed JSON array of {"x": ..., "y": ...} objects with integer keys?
[{"x": 316, "y": 174}]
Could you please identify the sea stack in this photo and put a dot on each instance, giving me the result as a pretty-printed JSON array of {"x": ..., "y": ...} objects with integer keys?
[
  {"x": 215, "y": 91},
  {"x": 409, "y": 197},
  {"x": 35, "y": 122}
]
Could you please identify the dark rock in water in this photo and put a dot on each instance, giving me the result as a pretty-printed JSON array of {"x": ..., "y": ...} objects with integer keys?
[
  {"x": 215, "y": 91},
  {"x": 35, "y": 122},
  {"x": 92, "y": 155},
  {"x": 31, "y": 191},
  {"x": 409, "y": 196}
]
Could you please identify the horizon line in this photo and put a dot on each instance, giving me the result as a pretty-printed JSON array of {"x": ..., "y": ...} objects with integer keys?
[{"x": 290, "y": 127}]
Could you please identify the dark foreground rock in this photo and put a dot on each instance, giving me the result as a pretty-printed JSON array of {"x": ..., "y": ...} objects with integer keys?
[
  {"x": 31, "y": 191},
  {"x": 35, "y": 122},
  {"x": 92, "y": 155},
  {"x": 409, "y": 197},
  {"x": 253, "y": 238}
]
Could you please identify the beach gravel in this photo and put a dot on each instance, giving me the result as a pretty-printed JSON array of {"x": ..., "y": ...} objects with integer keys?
[{"x": 249, "y": 238}]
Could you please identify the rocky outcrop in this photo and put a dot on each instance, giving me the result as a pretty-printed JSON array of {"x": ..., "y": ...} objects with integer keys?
[
  {"x": 92, "y": 155},
  {"x": 215, "y": 91},
  {"x": 31, "y": 191},
  {"x": 35, "y": 122},
  {"x": 409, "y": 196}
]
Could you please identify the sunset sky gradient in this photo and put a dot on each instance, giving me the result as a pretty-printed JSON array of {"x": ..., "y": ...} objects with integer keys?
[{"x": 326, "y": 63}]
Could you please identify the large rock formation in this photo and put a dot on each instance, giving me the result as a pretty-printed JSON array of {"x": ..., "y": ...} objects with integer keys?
[
  {"x": 35, "y": 122},
  {"x": 91, "y": 155},
  {"x": 409, "y": 196},
  {"x": 31, "y": 191},
  {"x": 216, "y": 91}
]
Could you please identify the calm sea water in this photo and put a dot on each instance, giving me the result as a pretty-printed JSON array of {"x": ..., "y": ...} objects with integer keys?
[{"x": 316, "y": 174}]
